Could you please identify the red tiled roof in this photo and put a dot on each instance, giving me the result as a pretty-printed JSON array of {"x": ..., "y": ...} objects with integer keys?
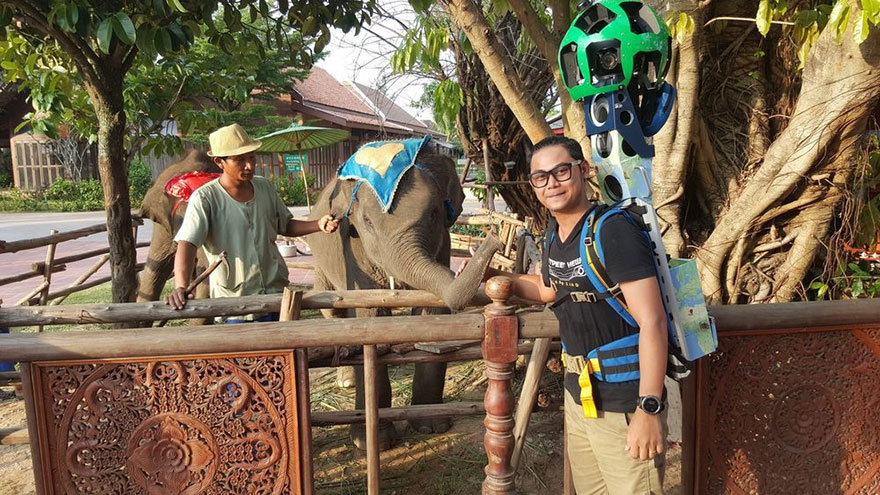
[
  {"x": 391, "y": 110},
  {"x": 346, "y": 105},
  {"x": 320, "y": 87}
]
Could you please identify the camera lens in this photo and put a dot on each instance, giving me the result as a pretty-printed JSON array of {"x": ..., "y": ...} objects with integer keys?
[{"x": 608, "y": 59}]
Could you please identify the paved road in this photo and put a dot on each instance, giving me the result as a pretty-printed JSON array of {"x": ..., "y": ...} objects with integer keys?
[{"x": 18, "y": 226}]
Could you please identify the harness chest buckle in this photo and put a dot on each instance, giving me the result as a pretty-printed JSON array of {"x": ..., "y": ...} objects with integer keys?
[{"x": 583, "y": 297}]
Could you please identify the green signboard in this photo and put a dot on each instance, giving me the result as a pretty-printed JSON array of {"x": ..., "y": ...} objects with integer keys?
[
  {"x": 295, "y": 162},
  {"x": 296, "y": 159}
]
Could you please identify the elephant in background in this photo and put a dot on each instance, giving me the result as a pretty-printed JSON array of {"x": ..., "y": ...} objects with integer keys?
[
  {"x": 411, "y": 243},
  {"x": 160, "y": 208}
]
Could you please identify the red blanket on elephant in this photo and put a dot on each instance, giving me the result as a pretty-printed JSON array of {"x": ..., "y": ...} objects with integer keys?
[{"x": 182, "y": 186}]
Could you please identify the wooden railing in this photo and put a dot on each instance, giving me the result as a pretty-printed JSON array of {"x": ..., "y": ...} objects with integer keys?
[
  {"x": 500, "y": 329},
  {"x": 42, "y": 294}
]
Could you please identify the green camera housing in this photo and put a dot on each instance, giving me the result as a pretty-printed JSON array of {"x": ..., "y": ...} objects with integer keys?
[{"x": 611, "y": 42}]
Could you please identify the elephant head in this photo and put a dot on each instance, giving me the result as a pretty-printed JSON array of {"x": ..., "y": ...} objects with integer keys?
[
  {"x": 160, "y": 208},
  {"x": 411, "y": 240}
]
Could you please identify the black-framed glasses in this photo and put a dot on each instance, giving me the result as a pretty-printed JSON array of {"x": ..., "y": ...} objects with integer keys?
[{"x": 561, "y": 173}]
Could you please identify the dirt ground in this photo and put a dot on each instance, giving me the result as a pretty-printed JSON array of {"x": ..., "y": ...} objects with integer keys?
[{"x": 449, "y": 463}]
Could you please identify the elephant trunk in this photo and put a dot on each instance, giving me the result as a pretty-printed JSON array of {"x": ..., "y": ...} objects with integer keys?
[{"x": 421, "y": 272}]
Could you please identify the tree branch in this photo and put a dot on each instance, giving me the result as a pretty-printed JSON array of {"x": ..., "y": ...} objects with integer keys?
[
  {"x": 543, "y": 38},
  {"x": 157, "y": 125},
  {"x": 82, "y": 56}
]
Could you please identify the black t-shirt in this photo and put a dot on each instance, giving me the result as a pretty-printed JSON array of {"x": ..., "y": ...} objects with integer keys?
[{"x": 585, "y": 326}]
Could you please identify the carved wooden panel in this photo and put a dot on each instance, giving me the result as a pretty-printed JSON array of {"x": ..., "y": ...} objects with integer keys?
[
  {"x": 792, "y": 414},
  {"x": 174, "y": 426}
]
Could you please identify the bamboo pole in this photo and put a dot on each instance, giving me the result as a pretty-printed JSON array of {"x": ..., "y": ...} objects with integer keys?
[
  {"x": 31, "y": 274},
  {"x": 464, "y": 172},
  {"x": 201, "y": 308},
  {"x": 527, "y": 396},
  {"x": 467, "y": 354},
  {"x": 82, "y": 278},
  {"x": 14, "y": 436},
  {"x": 88, "y": 285},
  {"x": 490, "y": 195},
  {"x": 9, "y": 377},
  {"x": 404, "y": 413},
  {"x": 252, "y": 337},
  {"x": 26, "y": 299},
  {"x": 47, "y": 273},
  {"x": 14, "y": 246},
  {"x": 334, "y": 418},
  {"x": 371, "y": 406},
  {"x": 291, "y": 304},
  {"x": 38, "y": 266}
]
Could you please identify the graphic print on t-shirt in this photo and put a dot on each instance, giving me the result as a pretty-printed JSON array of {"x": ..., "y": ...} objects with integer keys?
[{"x": 562, "y": 273}]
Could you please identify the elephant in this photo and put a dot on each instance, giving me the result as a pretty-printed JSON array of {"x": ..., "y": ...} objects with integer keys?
[
  {"x": 411, "y": 243},
  {"x": 167, "y": 216}
]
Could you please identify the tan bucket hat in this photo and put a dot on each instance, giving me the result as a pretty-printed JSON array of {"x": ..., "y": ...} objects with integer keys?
[{"x": 231, "y": 140}]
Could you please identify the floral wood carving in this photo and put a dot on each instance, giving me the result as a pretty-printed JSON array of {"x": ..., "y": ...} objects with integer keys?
[
  {"x": 793, "y": 414},
  {"x": 182, "y": 426}
]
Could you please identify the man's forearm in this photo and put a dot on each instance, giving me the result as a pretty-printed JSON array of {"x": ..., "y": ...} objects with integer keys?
[
  {"x": 653, "y": 354},
  {"x": 184, "y": 262},
  {"x": 296, "y": 228}
]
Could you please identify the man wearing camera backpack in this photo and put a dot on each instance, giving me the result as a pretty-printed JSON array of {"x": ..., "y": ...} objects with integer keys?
[{"x": 615, "y": 429}]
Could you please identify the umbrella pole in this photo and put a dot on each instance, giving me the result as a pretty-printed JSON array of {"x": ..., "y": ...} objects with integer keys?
[{"x": 302, "y": 170}]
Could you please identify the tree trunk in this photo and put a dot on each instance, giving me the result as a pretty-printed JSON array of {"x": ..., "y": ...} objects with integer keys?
[
  {"x": 110, "y": 111},
  {"x": 469, "y": 17},
  {"x": 841, "y": 86}
]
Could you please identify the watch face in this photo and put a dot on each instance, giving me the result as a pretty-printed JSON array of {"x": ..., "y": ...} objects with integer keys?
[{"x": 651, "y": 405}]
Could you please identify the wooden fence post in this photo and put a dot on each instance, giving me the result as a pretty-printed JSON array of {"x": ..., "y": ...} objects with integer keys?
[
  {"x": 490, "y": 195},
  {"x": 47, "y": 274},
  {"x": 499, "y": 351},
  {"x": 291, "y": 304}
]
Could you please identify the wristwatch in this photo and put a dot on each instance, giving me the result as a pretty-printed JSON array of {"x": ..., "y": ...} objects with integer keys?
[{"x": 651, "y": 404}]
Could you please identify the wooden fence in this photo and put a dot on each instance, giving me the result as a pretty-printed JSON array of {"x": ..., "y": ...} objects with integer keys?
[
  {"x": 42, "y": 294},
  {"x": 794, "y": 425},
  {"x": 34, "y": 167}
]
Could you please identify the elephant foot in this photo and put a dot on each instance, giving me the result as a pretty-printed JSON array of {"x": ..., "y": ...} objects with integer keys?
[
  {"x": 345, "y": 377},
  {"x": 387, "y": 435},
  {"x": 431, "y": 425}
]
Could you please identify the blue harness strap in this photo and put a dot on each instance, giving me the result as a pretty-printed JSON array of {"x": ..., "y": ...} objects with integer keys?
[
  {"x": 589, "y": 237},
  {"x": 353, "y": 197},
  {"x": 618, "y": 360}
]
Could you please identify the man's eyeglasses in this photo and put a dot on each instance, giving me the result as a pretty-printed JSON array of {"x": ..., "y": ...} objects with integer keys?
[{"x": 561, "y": 173}]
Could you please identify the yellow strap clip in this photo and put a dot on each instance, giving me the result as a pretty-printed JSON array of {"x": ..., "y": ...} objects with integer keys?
[{"x": 585, "y": 382}]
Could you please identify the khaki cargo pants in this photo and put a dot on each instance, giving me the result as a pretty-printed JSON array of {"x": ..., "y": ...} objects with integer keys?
[{"x": 599, "y": 463}]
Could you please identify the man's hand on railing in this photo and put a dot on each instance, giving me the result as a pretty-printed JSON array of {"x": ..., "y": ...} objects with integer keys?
[{"x": 177, "y": 298}]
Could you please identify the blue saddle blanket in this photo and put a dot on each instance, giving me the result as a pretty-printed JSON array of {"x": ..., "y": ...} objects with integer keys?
[{"x": 382, "y": 164}]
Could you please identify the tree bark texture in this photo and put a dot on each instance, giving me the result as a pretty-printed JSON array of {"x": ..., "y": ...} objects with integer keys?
[
  {"x": 109, "y": 107},
  {"x": 468, "y": 15},
  {"x": 782, "y": 190},
  {"x": 486, "y": 115}
]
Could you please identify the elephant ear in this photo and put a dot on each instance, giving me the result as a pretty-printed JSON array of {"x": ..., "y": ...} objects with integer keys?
[
  {"x": 157, "y": 205},
  {"x": 443, "y": 170}
]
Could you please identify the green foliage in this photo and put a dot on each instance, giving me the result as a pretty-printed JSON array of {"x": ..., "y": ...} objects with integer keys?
[
  {"x": 14, "y": 200},
  {"x": 140, "y": 178},
  {"x": 292, "y": 191},
  {"x": 67, "y": 195},
  {"x": 854, "y": 280},
  {"x": 471, "y": 230},
  {"x": 164, "y": 54},
  {"x": 6, "y": 179},
  {"x": 480, "y": 193}
]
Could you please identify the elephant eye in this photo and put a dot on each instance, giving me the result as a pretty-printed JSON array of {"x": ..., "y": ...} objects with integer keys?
[{"x": 368, "y": 223}]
